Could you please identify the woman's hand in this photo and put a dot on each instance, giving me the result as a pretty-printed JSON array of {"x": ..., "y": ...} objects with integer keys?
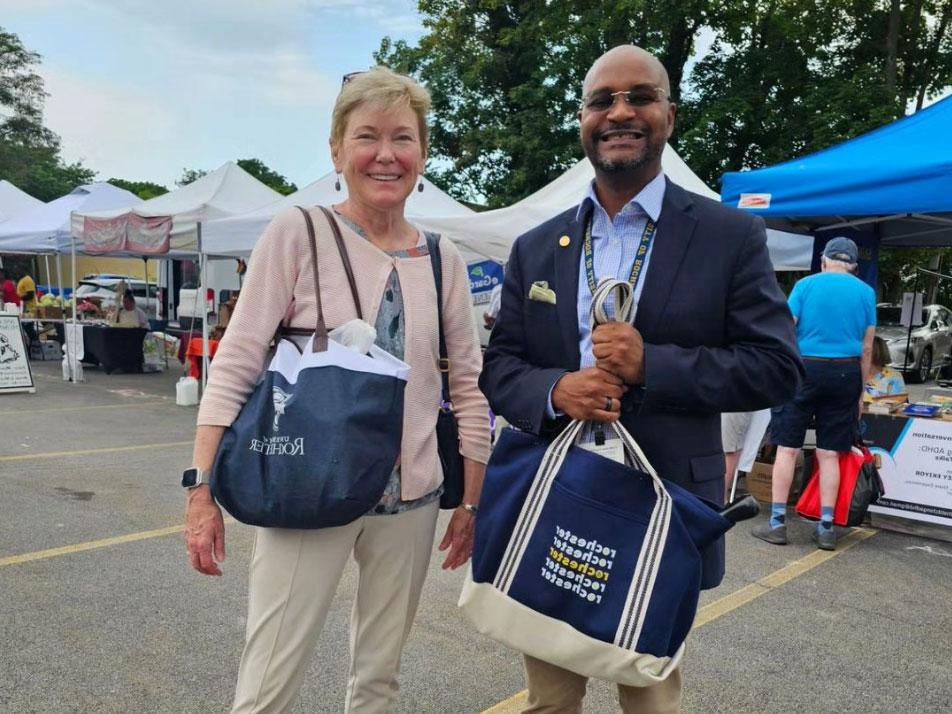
[
  {"x": 458, "y": 538},
  {"x": 204, "y": 531}
]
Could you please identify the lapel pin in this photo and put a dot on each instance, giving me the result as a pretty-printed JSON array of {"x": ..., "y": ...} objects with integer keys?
[{"x": 564, "y": 241}]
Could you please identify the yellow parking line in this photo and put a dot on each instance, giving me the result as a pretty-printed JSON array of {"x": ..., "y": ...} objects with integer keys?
[
  {"x": 87, "y": 452},
  {"x": 103, "y": 406},
  {"x": 736, "y": 599},
  {"x": 93, "y": 545}
]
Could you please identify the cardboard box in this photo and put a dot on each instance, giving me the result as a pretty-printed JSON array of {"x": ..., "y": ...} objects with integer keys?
[
  {"x": 759, "y": 481},
  {"x": 49, "y": 312}
]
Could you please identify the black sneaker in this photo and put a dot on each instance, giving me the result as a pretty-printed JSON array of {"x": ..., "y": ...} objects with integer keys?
[
  {"x": 776, "y": 536},
  {"x": 824, "y": 538}
]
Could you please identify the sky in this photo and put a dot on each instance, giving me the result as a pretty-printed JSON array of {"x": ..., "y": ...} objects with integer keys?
[{"x": 142, "y": 89}]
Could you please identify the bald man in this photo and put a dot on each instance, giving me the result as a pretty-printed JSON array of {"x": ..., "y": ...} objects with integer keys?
[{"x": 712, "y": 332}]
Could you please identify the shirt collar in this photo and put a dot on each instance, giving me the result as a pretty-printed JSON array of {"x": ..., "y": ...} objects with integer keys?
[{"x": 648, "y": 200}]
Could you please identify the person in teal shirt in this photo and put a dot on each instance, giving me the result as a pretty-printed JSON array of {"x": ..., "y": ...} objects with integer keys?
[{"x": 835, "y": 314}]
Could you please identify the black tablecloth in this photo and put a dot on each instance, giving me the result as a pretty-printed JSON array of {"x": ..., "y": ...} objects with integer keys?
[{"x": 114, "y": 347}]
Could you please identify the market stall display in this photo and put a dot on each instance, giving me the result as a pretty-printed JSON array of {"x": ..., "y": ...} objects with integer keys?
[{"x": 114, "y": 347}]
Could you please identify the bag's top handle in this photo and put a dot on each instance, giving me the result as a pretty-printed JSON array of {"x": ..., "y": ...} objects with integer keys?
[{"x": 319, "y": 343}]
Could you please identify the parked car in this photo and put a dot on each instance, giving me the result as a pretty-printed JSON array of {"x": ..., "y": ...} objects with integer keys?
[
  {"x": 929, "y": 345},
  {"x": 104, "y": 288}
]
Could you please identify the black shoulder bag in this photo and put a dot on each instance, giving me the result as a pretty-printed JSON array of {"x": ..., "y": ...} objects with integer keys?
[{"x": 447, "y": 431}]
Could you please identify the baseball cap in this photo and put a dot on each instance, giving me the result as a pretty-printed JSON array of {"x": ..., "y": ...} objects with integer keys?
[{"x": 842, "y": 248}]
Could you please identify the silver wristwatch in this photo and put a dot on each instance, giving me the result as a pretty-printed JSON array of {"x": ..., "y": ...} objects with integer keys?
[{"x": 193, "y": 478}]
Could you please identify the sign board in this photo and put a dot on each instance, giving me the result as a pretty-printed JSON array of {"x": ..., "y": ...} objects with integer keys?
[
  {"x": 911, "y": 311},
  {"x": 483, "y": 277},
  {"x": 916, "y": 466},
  {"x": 15, "y": 374}
]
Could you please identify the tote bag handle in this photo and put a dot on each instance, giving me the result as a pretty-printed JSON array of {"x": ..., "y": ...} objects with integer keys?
[{"x": 319, "y": 343}]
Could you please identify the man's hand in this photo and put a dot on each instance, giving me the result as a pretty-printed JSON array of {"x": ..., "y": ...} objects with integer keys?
[
  {"x": 619, "y": 349},
  {"x": 589, "y": 394}
]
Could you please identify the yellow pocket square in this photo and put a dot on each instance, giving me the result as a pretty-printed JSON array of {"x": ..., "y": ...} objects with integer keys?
[{"x": 540, "y": 291}]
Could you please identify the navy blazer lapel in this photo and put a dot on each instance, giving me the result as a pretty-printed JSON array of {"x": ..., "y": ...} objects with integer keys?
[
  {"x": 675, "y": 228},
  {"x": 566, "y": 276}
]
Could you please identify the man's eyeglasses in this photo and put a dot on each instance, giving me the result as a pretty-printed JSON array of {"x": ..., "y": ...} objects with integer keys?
[{"x": 637, "y": 97}]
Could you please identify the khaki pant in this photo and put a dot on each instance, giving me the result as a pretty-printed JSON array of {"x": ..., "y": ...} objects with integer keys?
[
  {"x": 553, "y": 690},
  {"x": 294, "y": 575}
]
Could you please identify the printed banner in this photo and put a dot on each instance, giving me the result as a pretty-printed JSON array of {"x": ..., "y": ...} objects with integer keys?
[
  {"x": 916, "y": 466},
  {"x": 130, "y": 232}
]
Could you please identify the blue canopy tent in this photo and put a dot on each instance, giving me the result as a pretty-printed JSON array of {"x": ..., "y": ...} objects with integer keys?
[{"x": 895, "y": 182}]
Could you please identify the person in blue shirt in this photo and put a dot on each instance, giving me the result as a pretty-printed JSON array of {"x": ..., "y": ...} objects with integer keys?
[{"x": 835, "y": 313}]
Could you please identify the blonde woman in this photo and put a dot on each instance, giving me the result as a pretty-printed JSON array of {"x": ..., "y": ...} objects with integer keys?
[{"x": 378, "y": 144}]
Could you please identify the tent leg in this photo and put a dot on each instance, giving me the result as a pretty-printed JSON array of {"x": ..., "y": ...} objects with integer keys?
[
  {"x": 202, "y": 300},
  {"x": 62, "y": 294}
]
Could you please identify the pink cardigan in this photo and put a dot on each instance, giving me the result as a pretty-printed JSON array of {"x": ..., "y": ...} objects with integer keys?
[{"x": 280, "y": 286}]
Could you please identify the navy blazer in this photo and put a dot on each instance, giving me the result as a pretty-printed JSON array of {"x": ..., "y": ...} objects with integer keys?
[{"x": 718, "y": 337}]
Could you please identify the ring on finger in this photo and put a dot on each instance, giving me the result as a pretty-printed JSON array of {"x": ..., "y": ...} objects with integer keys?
[{"x": 608, "y": 404}]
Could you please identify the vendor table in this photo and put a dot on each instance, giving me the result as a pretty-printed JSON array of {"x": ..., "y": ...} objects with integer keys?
[
  {"x": 114, "y": 347},
  {"x": 916, "y": 466},
  {"x": 194, "y": 354}
]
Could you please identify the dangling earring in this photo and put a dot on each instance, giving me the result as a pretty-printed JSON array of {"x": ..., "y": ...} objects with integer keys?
[
  {"x": 420, "y": 186},
  {"x": 337, "y": 183}
]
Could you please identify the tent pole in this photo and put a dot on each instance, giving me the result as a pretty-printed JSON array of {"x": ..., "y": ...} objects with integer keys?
[
  {"x": 62, "y": 295},
  {"x": 75, "y": 305},
  {"x": 912, "y": 312},
  {"x": 202, "y": 264}
]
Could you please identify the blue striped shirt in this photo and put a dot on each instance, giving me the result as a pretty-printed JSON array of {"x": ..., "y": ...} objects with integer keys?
[{"x": 614, "y": 245}]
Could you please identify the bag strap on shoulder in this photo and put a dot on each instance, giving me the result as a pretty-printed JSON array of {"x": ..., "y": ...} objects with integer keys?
[
  {"x": 436, "y": 262},
  {"x": 319, "y": 343}
]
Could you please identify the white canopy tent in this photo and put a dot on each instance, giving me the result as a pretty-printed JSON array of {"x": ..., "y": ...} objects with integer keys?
[
  {"x": 13, "y": 201},
  {"x": 227, "y": 191},
  {"x": 236, "y": 236},
  {"x": 491, "y": 234},
  {"x": 45, "y": 228}
]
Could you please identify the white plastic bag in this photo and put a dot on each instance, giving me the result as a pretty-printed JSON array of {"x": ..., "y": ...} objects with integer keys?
[{"x": 356, "y": 334}]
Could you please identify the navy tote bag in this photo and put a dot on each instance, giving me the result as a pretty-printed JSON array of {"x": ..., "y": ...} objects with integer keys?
[
  {"x": 314, "y": 445},
  {"x": 585, "y": 562}
]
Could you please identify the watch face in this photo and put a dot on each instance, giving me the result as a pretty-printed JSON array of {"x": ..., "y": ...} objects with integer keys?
[{"x": 189, "y": 477}]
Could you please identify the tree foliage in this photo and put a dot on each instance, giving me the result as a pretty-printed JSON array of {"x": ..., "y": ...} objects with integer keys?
[
  {"x": 782, "y": 78},
  {"x": 30, "y": 152},
  {"x": 256, "y": 167},
  {"x": 143, "y": 189},
  {"x": 267, "y": 176},
  {"x": 190, "y": 176},
  {"x": 506, "y": 76}
]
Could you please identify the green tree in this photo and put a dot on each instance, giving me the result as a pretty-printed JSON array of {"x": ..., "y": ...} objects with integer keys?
[
  {"x": 506, "y": 78},
  {"x": 267, "y": 176},
  {"x": 30, "y": 152},
  {"x": 143, "y": 189},
  {"x": 789, "y": 77},
  {"x": 190, "y": 176}
]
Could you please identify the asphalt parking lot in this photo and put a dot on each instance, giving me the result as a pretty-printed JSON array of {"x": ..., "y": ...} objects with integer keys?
[{"x": 99, "y": 611}]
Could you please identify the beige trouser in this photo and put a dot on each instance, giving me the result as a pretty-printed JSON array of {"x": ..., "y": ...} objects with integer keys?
[
  {"x": 294, "y": 575},
  {"x": 553, "y": 690}
]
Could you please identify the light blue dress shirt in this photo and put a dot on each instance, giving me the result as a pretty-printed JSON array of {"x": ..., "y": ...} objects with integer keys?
[{"x": 614, "y": 245}]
